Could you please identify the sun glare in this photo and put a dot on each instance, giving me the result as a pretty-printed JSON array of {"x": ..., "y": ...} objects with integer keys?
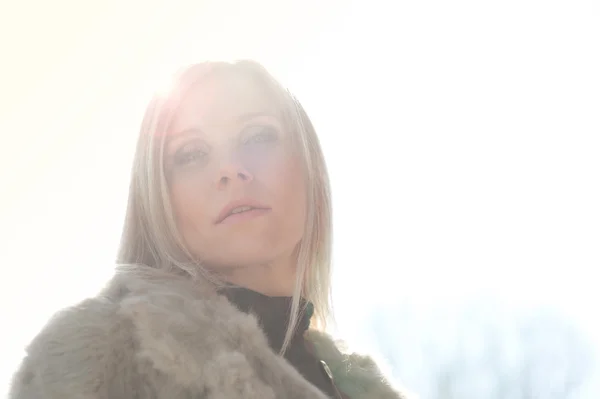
[{"x": 162, "y": 84}]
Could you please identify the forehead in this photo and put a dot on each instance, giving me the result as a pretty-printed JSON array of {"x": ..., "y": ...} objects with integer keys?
[{"x": 220, "y": 99}]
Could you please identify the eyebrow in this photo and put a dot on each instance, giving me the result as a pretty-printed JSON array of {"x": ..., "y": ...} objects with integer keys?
[
  {"x": 251, "y": 115},
  {"x": 242, "y": 118},
  {"x": 185, "y": 132}
]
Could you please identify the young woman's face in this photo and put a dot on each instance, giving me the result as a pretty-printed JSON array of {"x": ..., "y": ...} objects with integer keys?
[{"x": 236, "y": 183}]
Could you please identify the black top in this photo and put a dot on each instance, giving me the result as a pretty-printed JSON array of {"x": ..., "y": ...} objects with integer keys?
[{"x": 273, "y": 316}]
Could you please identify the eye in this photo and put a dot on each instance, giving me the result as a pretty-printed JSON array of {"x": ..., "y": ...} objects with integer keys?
[
  {"x": 260, "y": 134},
  {"x": 190, "y": 153}
]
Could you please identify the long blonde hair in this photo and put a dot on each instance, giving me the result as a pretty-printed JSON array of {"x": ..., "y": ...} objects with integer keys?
[{"x": 150, "y": 235}]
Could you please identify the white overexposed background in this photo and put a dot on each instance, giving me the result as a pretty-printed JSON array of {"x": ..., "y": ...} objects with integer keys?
[{"x": 462, "y": 139}]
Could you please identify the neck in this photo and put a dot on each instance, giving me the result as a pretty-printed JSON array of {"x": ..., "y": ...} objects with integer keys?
[{"x": 272, "y": 279}]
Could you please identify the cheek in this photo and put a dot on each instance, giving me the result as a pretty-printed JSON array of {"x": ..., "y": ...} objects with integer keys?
[
  {"x": 189, "y": 207},
  {"x": 285, "y": 179}
]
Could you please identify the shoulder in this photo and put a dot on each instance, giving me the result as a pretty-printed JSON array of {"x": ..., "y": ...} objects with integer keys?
[
  {"x": 71, "y": 350},
  {"x": 89, "y": 349},
  {"x": 81, "y": 347},
  {"x": 357, "y": 375}
]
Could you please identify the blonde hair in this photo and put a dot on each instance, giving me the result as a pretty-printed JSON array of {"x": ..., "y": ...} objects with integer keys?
[{"x": 150, "y": 235}]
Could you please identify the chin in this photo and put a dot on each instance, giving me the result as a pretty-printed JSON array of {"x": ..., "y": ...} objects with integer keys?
[
  {"x": 247, "y": 255},
  {"x": 251, "y": 259},
  {"x": 241, "y": 250}
]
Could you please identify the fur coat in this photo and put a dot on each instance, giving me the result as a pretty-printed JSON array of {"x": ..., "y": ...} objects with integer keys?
[{"x": 153, "y": 335}]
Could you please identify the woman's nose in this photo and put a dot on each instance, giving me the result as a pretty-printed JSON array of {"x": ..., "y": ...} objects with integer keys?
[{"x": 232, "y": 172}]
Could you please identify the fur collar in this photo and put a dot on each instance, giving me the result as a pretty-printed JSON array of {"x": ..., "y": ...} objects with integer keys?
[
  {"x": 355, "y": 375},
  {"x": 184, "y": 339}
]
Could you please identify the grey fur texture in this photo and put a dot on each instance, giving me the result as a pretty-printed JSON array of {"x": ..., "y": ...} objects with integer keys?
[{"x": 153, "y": 335}]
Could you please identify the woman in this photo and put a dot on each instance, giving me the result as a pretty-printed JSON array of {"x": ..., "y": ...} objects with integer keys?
[{"x": 224, "y": 261}]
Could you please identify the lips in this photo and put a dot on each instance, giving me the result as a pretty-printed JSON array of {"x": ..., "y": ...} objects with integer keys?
[{"x": 240, "y": 208}]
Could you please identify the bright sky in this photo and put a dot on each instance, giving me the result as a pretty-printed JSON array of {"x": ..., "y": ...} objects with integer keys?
[{"x": 462, "y": 140}]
